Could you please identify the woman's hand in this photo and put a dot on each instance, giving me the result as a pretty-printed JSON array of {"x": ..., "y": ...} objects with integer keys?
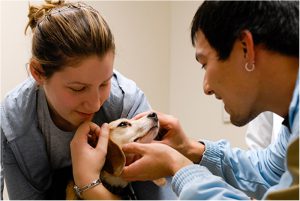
[
  {"x": 173, "y": 135},
  {"x": 88, "y": 161},
  {"x": 157, "y": 161}
]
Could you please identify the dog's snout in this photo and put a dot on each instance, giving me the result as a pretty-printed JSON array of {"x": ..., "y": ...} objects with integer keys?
[{"x": 153, "y": 116}]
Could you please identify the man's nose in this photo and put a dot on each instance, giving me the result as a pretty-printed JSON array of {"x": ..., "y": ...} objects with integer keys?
[{"x": 206, "y": 87}]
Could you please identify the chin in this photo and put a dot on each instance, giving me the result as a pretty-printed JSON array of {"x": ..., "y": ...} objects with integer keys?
[{"x": 239, "y": 121}]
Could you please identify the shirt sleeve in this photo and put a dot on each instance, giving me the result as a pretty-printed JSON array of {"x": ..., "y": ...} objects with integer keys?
[
  {"x": 17, "y": 185},
  {"x": 198, "y": 183},
  {"x": 264, "y": 167},
  {"x": 135, "y": 101}
]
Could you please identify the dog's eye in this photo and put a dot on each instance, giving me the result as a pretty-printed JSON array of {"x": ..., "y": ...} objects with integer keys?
[{"x": 124, "y": 124}]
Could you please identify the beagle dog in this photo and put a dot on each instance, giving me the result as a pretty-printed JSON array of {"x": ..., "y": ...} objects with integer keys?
[{"x": 122, "y": 131}]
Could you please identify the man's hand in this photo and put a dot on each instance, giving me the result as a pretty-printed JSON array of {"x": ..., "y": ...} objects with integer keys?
[
  {"x": 172, "y": 134},
  {"x": 157, "y": 161}
]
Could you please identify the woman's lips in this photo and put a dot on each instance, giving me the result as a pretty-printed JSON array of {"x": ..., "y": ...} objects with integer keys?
[{"x": 85, "y": 115}]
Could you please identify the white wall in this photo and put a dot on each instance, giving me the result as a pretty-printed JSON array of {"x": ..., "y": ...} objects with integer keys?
[
  {"x": 15, "y": 46},
  {"x": 141, "y": 31},
  {"x": 153, "y": 48},
  {"x": 201, "y": 115}
]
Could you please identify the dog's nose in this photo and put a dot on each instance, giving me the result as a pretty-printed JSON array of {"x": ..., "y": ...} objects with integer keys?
[{"x": 153, "y": 116}]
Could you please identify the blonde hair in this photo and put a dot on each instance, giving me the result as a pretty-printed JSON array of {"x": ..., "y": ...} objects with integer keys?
[{"x": 64, "y": 33}]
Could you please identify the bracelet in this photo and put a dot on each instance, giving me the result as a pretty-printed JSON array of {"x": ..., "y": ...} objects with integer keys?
[{"x": 78, "y": 190}]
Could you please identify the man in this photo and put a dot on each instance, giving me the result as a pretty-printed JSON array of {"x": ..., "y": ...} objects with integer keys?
[{"x": 252, "y": 68}]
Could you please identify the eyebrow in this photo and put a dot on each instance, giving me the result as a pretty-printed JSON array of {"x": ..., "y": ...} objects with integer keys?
[
  {"x": 109, "y": 78},
  {"x": 76, "y": 82}
]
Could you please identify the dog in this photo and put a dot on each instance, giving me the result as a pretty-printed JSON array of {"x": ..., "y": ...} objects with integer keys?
[{"x": 122, "y": 131}]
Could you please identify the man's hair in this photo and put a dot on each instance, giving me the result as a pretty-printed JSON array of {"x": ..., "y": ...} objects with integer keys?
[{"x": 274, "y": 24}]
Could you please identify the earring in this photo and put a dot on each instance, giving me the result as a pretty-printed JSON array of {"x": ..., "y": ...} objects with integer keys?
[{"x": 249, "y": 68}]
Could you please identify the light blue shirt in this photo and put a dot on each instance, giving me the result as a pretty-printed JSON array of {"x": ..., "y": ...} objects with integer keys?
[{"x": 226, "y": 173}]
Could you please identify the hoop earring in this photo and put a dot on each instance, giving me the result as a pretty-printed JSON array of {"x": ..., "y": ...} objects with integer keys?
[{"x": 249, "y": 69}]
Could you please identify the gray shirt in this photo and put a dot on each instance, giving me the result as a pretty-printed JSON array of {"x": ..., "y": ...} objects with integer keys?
[{"x": 57, "y": 141}]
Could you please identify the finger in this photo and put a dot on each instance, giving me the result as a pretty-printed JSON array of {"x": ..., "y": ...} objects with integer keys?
[
  {"x": 94, "y": 128},
  {"x": 138, "y": 116},
  {"x": 130, "y": 172},
  {"x": 166, "y": 122},
  {"x": 93, "y": 134},
  {"x": 82, "y": 132},
  {"x": 129, "y": 178},
  {"x": 134, "y": 148},
  {"x": 163, "y": 118},
  {"x": 158, "y": 141},
  {"x": 103, "y": 137}
]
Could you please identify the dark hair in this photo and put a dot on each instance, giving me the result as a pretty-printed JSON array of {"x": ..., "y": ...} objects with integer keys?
[
  {"x": 275, "y": 24},
  {"x": 64, "y": 33}
]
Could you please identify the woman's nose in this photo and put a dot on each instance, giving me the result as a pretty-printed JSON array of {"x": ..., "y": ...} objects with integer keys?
[{"x": 94, "y": 102}]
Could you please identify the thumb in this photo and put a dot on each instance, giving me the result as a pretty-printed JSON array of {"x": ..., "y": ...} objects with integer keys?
[
  {"x": 81, "y": 132},
  {"x": 134, "y": 148}
]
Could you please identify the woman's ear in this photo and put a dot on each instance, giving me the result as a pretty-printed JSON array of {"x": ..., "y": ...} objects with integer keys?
[
  {"x": 37, "y": 71},
  {"x": 248, "y": 45}
]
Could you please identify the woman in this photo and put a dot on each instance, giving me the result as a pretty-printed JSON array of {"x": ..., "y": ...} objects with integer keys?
[{"x": 72, "y": 82}]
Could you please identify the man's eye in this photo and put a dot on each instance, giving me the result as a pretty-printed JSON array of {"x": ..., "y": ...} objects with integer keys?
[{"x": 124, "y": 124}]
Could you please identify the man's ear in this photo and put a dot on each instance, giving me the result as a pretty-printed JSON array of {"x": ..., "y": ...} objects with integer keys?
[
  {"x": 37, "y": 71},
  {"x": 248, "y": 45},
  {"x": 115, "y": 159}
]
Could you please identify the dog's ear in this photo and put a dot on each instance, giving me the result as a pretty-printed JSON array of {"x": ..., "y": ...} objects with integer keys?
[{"x": 115, "y": 159}]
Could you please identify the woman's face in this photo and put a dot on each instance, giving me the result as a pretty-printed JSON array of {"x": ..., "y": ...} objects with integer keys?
[{"x": 78, "y": 91}]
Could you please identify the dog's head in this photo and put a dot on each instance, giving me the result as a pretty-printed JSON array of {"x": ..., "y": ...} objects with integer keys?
[{"x": 123, "y": 131}]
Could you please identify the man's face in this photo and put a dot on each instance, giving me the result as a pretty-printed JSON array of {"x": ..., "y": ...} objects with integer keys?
[{"x": 228, "y": 80}]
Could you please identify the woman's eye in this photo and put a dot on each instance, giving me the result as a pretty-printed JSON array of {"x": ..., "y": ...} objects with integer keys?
[
  {"x": 77, "y": 89},
  {"x": 203, "y": 66},
  {"x": 124, "y": 124}
]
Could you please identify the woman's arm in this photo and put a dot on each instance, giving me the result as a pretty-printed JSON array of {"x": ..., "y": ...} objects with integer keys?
[
  {"x": 17, "y": 185},
  {"x": 88, "y": 161}
]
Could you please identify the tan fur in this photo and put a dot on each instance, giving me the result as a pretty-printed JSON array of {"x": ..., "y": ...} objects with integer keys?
[{"x": 123, "y": 131}]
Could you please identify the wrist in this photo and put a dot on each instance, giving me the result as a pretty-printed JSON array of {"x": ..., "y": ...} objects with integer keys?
[
  {"x": 79, "y": 190},
  {"x": 99, "y": 192},
  {"x": 177, "y": 166},
  {"x": 84, "y": 178},
  {"x": 195, "y": 151},
  {"x": 178, "y": 161}
]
